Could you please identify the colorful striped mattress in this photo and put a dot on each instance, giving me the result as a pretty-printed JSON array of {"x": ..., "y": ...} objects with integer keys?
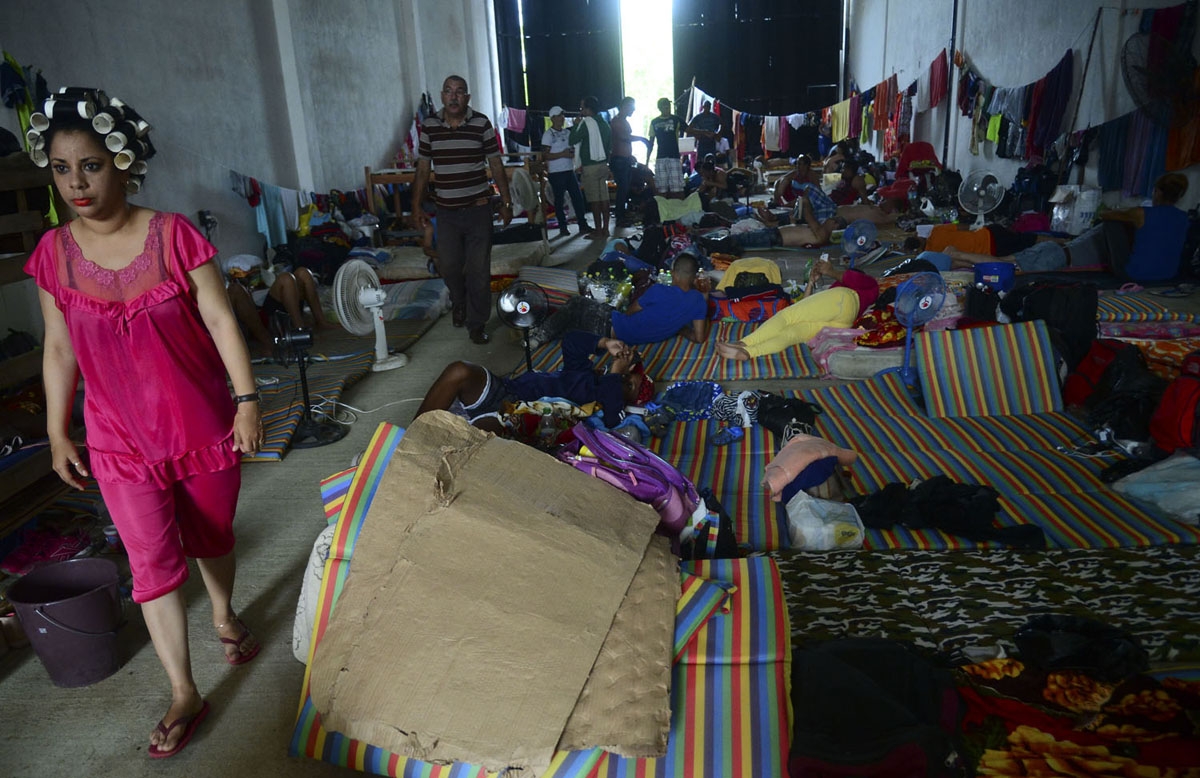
[
  {"x": 282, "y": 403},
  {"x": 1024, "y": 457},
  {"x": 1139, "y": 307},
  {"x": 681, "y": 360},
  {"x": 734, "y": 473},
  {"x": 729, "y": 692}
]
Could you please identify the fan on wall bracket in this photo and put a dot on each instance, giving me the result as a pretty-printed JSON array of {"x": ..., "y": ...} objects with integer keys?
[
  {"x": 358, "y": 299},
  {"x": 523, "y": 305},
  {"x": 1161, "y": 74},
  {"x": 980, "y": 193}
]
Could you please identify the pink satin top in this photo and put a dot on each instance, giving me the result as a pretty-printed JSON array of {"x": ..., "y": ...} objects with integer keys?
[{"x": 156, "y": 403}]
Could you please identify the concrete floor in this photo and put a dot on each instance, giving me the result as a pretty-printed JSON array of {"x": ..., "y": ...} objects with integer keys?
[{"x": 103, "y": 729}]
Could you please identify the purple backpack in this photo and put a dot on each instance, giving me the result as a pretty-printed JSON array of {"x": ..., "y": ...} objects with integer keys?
[{"x": 636, "y": 470}]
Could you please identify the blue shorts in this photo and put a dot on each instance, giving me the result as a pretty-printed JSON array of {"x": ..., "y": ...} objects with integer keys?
[{"x": 1041, "y": 257}]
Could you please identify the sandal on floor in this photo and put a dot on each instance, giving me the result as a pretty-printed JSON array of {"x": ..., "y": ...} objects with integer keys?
[
  {"x": 1130, "y": 288},
  {"x": 240, "y": 658},
  {"x": 189, "y": 724}
]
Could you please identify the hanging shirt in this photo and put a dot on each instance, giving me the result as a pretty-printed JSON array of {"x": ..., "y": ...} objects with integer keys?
[{"x": 939, "y": 79}]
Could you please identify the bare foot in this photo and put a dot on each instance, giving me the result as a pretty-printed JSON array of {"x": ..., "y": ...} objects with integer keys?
[
  {"x": 733, "y": 351},
  {"x": 165, "y": 737}
]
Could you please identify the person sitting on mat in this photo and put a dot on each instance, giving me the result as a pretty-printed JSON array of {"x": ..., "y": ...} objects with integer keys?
[
  {"x": 661, "y": 312},
  {"x": 839, "y": 306},
  {"x": 477, "y": 394}
]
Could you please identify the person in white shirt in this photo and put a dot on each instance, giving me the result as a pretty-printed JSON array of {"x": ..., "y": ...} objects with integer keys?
[{"x": 560, "y": 170}]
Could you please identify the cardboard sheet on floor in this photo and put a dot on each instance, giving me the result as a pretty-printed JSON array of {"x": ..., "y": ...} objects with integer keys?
[
  {"x": 625, "y": 706},
  {"x": 479, "y": 602}
]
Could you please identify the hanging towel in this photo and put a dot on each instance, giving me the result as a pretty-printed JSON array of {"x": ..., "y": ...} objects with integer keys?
[
  {"x": 993, "y": 128},
  {"x": 939, "y": 79},
  {"x": 290, "y": 200},
  {"x": 796, "y": 120},
  {"x": 515, "y": 120},
  {"x": 595, "y": 140},
  {"x": 771, "y": 133},
  {"x": 855, "y": 128},
  {"x": 840, "y": 121},
  {"x": 921, "y": 105},
  {"x": 272, "y": 223}
]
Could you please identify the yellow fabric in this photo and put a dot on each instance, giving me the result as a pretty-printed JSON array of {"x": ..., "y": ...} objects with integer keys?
[
  {"x": 767, "y": 267},
  {"x": 840, "y": 121},
  {"x": 670, "y": 210},
  {"x": 993, "y": 128},
  {"x": 801, "y": 321}
]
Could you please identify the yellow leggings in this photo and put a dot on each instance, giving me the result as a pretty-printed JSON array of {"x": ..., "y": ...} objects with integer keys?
[{"x": 801, "y": 321}]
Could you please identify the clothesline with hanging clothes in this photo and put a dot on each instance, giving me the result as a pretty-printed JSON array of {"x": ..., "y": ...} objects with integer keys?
[{"x": 280, "y": 210}]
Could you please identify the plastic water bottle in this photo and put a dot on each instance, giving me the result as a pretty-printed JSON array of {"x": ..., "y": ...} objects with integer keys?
[{"x": 547, "y": 431}]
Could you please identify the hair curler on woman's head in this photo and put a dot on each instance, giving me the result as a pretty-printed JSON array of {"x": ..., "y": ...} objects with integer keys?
[{"x": 119, "y": 128}]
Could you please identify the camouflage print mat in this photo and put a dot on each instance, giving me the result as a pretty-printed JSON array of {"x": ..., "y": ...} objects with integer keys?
[{"x": 955, "y": 600}]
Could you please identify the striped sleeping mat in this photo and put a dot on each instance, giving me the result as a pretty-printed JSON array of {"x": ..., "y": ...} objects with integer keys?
[
  {"x": 681, "y": 360},
  {"x": 734, "y": 473},
  {"x": 1024, "y": 457},
  {"x": 282, "y": 403},
  {"x": 1140, "y": 307},
  {"x": 729, "y": 689}
]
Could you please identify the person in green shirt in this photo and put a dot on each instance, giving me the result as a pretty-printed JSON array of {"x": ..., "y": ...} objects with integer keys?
[{"x": 594, "y": 137}]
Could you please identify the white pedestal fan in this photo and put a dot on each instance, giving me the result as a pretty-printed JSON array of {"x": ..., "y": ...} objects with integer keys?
[{"x": 358, "y": 299}]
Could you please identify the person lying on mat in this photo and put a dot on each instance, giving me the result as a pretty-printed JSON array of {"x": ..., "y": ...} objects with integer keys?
[
  {"x": 478, "y": 395},
  {"x": 838, "y": 306},
  {"x": 661, "y": 312},
  {"x": 133, "y": 303},
  {"x": 263, "y": 311}
]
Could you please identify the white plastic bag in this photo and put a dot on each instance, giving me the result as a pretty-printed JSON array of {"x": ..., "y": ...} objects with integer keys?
[
  {"x": 1172, "y": 484},
  {"x": 821, "y": 525}
]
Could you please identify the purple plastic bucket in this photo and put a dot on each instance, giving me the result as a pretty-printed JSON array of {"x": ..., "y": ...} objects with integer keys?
[{"x": 70, "y": 612}]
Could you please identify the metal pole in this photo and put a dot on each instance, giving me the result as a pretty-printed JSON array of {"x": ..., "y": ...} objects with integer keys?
[{"x": 950, "y": 86}]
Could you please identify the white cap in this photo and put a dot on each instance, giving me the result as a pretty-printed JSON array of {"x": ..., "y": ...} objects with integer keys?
[{"x": 556, "y": 110}]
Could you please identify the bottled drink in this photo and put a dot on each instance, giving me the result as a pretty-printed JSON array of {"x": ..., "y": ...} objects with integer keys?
[{"x": 547, "y": 431}]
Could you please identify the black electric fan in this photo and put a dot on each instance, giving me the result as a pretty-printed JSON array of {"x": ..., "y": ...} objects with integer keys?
[
  {"x": 311, "y": 432},
  {"x": 523, "y": 305}
]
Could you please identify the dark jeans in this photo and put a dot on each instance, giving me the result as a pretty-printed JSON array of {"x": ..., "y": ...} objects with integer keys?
[
  {"x": 579, "y": 313},
  {"x": 622, "y": 172},
  {"x": 464, "y": 244},
  {"x": 566, "y": 183}
]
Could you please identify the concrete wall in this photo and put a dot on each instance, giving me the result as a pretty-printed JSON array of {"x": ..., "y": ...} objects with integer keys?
[
  {"x": 296, "y": 93},
  {"x": 1009, "y": 43}
]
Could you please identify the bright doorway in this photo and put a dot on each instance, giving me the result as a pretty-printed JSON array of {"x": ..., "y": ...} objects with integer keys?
[{"x": 648, "y": 61}]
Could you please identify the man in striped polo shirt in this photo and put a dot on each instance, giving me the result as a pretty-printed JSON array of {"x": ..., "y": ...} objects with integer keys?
[{"x": 460, "y": 143}]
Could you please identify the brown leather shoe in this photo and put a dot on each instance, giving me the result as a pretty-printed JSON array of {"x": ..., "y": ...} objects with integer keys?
[
  {"x": 458, "y": 317},
  {"x": 480, "y": 336}
]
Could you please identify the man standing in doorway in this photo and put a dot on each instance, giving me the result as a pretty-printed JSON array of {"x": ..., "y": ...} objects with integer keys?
[
  {"x": 560, "y": 170},
  {"x": 705, "y": 127},
  {"x": 668, "y": 170},
  {"x": 595, "y": 138},
  {"x": 460, "y": 143}
]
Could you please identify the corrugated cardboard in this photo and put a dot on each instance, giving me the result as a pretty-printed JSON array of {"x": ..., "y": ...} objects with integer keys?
[
  {"x": 625, "y": 706},
  {"x": 482, "y": 590}
]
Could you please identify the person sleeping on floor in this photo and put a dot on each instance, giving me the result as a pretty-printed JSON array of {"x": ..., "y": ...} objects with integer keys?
[
  {"x": 480, "y": 396},
  {"x": 1139, "y": 245},
  {"x": 852, "y": 292}
]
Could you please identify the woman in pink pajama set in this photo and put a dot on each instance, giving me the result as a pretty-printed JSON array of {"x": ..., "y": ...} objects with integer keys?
[{"x": 133, "y": 303}]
